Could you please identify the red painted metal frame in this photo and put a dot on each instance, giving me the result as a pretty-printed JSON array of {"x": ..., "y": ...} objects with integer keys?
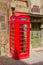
[{"x": 15, "y": 53}]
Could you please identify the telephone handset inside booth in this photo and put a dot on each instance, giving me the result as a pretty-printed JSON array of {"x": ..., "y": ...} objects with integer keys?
[{"x": 20, "y": 36}]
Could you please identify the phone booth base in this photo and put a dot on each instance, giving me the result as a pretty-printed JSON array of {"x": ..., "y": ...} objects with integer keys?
[{"x": 20, "y": 36}]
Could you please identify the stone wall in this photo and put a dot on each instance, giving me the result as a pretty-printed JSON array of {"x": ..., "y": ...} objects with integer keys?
[
  {"x": 4, "y": 45},
  {"x": 20, "y": 6}
]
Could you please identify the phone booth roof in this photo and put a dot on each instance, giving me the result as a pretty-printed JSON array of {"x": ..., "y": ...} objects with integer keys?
[{"x": 20, "y": 15}]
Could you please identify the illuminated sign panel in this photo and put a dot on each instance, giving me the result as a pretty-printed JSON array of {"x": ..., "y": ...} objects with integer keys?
[
  {"x": 19, "y": 19},
  {"x": 13, "y": 19},
  {"x": 23, "y": 18}
]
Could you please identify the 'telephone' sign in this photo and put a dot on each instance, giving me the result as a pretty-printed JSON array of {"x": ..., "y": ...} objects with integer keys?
[
  {"x": 13, "y": 19},
  {"x": 23, "y": 18},
  {"x": 19, "y": 19}
]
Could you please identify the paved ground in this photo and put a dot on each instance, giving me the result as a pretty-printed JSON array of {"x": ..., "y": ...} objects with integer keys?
[{"x": 36, "y": 58}]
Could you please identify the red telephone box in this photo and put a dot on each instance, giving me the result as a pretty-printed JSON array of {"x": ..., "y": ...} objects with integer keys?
[{"x": 20, "y": 36}]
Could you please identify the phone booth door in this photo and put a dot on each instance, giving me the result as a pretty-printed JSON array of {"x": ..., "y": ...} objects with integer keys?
[{"x": 24, "y": 36}]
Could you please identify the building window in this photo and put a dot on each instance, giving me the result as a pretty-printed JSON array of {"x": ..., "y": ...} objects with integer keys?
[
  {"x": 42, "y": 8},
  {"x": 35, "y": 6}
]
